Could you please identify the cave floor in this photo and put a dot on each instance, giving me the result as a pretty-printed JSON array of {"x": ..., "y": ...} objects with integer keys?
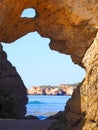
[{"x": 25, "y": 124}]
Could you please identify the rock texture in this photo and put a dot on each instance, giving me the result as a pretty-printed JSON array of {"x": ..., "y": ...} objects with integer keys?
[
  {"x": 72, "y": 27},
  {"x": 89, "y": 89},
  {"x": 49, "y": 90},
  {"x": 81, "y": 111},
  {"x": 13, "y": 94}
]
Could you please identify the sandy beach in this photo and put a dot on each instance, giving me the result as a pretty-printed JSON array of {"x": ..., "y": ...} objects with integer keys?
[{"x": 25, "y": 124}]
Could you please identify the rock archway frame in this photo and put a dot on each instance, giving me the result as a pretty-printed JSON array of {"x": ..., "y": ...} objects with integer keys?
[{"x": 72, "y": 27}]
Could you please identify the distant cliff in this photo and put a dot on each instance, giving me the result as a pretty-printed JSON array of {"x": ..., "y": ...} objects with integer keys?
[{"x": 62, "y": 89}]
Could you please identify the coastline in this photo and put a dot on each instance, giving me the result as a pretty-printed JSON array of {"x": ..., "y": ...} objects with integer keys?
[
  {"x": 62, "y": 89},
  {"x": 49, "y": 95}
]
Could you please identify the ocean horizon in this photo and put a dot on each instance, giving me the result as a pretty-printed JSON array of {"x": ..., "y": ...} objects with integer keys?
[{"x": 44, "y": 106}]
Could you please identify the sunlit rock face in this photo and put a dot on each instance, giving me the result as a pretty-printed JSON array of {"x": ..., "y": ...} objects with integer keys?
[
  {"x": 52, "y": 90},
  {"x": 81, "y": 111},
  {"x": 89, "y": 89},
  {"x": 13, "y": 94},
  {"x": 72, "y": 27}
]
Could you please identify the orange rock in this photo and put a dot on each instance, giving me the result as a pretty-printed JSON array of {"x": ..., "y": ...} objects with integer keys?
[
  {"x": 72, "y": 26},
  {"x": 62, "y": 90}
]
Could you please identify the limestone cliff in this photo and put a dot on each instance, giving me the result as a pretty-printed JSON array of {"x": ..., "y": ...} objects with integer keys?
[
  {"x": 72, "y": 26},
  {"x": 13, "y": 95},
  {"x": 52, "y": 90}
]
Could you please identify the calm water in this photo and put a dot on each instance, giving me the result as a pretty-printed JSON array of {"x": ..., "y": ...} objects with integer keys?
[{"x": 44, "y": 106}]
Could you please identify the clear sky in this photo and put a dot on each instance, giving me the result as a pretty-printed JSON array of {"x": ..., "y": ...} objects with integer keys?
[{"x": 38, "y": 65}]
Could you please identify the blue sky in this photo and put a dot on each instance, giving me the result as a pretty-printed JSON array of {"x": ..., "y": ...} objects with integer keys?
[{"x": 38, "y": 65}]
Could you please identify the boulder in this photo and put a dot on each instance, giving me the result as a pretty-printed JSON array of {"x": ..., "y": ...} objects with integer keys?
[{"x": 13, "y": 93}]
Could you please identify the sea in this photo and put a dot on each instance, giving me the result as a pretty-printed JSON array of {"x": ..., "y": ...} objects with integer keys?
[{"x": 45, "y": 106}]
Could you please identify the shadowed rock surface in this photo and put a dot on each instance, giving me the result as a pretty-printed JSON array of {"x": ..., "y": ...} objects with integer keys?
[
  {"x": 72, "y": 27},
  {"x": 13, "y": 94}
]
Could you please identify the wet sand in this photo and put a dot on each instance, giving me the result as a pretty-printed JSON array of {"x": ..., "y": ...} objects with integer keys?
[{"x": 25, "y": 124}]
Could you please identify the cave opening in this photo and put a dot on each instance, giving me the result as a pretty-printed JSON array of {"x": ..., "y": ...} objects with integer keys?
[{"x": 38, "y": 65}]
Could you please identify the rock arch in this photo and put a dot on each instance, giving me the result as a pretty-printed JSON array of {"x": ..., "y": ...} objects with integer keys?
[{"x": 72, "y": 27}]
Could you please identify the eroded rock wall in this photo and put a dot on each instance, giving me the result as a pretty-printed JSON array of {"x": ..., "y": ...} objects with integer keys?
[
  {"x": 13, "y": 93},
  {"x": 89, "y": 89},
  {"x": 81, "y": 111},
  {"x": 72, "y": 26}
]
